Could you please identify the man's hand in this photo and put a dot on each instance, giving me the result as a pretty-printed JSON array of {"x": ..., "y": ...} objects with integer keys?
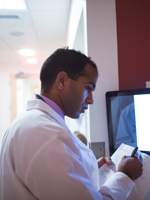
[
  {"x": 104, "y": 160},
  {"x": 131, "y": 166}
]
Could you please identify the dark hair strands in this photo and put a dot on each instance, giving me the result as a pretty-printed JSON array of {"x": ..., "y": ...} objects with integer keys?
[{"x": 63, "y": 59}]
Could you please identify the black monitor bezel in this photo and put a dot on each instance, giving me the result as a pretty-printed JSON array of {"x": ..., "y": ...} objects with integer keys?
[{"x": 115, "y": 93}]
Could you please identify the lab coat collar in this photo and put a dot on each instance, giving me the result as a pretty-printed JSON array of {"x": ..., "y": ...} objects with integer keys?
[{"x": 40, "y": 105}]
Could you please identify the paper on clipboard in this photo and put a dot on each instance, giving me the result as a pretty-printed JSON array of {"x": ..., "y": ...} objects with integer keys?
[{"x": 142, "y": 183}]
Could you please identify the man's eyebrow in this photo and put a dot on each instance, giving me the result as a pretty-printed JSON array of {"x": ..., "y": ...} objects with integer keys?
[{"x": 92, "y": 84}]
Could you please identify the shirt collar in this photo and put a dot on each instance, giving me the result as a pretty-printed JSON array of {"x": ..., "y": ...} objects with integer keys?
[{"x": 53, "y": 105}]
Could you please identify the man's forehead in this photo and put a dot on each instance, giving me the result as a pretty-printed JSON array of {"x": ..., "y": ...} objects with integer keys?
[{"x": 90, "y": 71}]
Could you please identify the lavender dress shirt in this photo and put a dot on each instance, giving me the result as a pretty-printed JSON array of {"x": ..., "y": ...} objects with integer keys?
[{"x": 52, "y": 104}]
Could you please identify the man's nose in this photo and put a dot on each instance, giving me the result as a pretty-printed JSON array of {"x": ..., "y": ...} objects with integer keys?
[{"x": 89, "y": 99}]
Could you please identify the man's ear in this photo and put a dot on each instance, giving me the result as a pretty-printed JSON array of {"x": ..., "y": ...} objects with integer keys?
[{"x": 61, "y": 80}]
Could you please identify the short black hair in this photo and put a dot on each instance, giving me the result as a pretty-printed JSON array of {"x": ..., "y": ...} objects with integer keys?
[{"x": 63, "y": 59}]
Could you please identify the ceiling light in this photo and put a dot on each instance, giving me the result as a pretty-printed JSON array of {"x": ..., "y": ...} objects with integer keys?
[
  {"x": 15, "y": 4},
  {"x": 31, "y": 60},
  {"x": 27, "y": 52}
]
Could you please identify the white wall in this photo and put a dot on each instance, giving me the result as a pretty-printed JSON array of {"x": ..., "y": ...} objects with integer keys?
[
  {"x": 102, "y": 47},
  {"x": 74, "y": 18}
]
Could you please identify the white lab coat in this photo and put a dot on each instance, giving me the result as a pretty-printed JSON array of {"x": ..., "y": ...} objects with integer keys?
[{"x": 41, "y": 159}]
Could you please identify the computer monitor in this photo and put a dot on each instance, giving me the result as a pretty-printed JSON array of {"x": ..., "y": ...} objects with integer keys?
[{"x": 128, "y": 117}]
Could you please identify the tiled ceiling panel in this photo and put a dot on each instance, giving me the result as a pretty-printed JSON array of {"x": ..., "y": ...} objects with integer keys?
[{"x": 42, "y": 27}]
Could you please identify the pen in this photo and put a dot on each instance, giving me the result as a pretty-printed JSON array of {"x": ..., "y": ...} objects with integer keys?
[{"x": 134, "y": 152}]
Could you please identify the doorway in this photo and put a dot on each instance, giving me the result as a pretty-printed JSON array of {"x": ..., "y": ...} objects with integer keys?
[{"x": 23, "y": 88}]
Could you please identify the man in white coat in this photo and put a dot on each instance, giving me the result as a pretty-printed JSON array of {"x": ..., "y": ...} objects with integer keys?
[{"x": 41, "y": 159}]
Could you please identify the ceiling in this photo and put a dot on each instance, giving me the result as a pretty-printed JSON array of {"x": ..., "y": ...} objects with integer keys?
[{"x": 42, "y": 27}]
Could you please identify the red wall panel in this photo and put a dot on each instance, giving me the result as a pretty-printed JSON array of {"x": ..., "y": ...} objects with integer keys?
[{"x": 133, "y": 35}]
